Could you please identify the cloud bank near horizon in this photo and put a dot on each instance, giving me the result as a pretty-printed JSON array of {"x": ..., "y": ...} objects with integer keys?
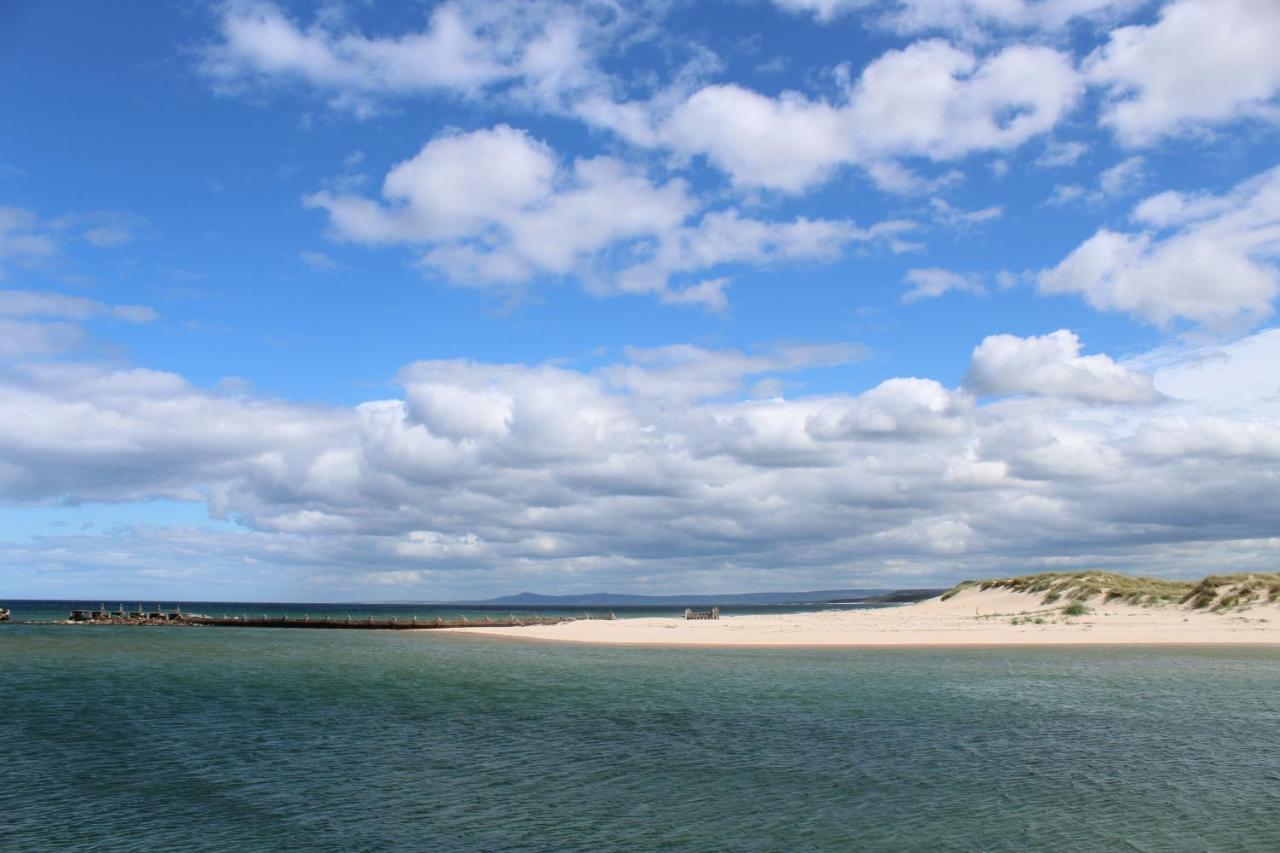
[{"x": 665, "y": 470}]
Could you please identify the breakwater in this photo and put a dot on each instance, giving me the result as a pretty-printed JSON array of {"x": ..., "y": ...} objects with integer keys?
[{"x": 198, "y": 620}]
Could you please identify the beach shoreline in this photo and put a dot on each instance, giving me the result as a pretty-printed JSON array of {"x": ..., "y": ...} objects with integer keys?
[{"x": 971, "y": 618}]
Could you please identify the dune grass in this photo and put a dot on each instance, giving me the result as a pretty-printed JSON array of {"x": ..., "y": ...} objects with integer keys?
[
  {"x": 1076, "y": 608},
  {"x": 1236, "y": 590},
  {"x": 1216, "y": 592}
]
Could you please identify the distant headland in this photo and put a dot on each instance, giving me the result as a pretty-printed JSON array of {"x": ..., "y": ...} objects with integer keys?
[{"x": 611, "y": 599}]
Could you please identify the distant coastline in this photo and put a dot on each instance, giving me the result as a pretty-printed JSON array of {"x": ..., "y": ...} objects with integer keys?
[{"x": 610, "y": 599}]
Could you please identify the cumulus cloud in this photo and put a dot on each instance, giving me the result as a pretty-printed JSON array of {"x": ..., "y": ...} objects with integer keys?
[
  {"x": 662, "y": 465},
  {"x": 1202, "y": 258},
  {"x": 497, "y": 207},
  {"x": 682, "y": 373},
  {"x": 900, "y": 409},
  {"x": 541, "y": 48},
  {"x": 1202, "y": 63},
  {"x": 931, "y": 99},
  {"x": 1052, "y": 365}
]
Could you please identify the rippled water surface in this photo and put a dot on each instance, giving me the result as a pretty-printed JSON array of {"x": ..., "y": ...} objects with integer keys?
[{"x": 257, "y": 739}]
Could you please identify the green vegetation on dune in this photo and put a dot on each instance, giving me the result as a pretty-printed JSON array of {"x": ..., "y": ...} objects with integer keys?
[
  {"x": 1075, "y": 608},
  {"x": 1236, "y": 590},
  {"x": 1217, "y": 592}
]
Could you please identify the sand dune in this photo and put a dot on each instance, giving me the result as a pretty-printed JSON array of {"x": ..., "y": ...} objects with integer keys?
[{"x": 970, "y": 616}]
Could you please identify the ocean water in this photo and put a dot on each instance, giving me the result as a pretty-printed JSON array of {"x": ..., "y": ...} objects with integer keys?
[{"x": 125, "y": 738}]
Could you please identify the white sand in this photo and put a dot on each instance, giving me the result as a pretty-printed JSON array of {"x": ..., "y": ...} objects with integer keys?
[{"x": 970, "y": 618}]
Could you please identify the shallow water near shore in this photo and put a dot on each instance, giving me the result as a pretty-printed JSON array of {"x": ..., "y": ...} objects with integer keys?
[{"x": 119, "y": 738}]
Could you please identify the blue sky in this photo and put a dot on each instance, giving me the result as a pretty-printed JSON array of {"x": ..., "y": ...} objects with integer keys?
[{"x": 373, "y": 300}]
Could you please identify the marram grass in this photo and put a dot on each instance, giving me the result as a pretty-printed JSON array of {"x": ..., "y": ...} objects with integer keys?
[{"x": 1216, "y": 592}]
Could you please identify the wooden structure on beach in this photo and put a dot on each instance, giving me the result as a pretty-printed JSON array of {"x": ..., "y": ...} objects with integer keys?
[
  {"x": 366, "y": 623},
  {"x": 713, "y": 613}
]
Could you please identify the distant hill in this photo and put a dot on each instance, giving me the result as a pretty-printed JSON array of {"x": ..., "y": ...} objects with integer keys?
[{"x": 610, "y": 599}]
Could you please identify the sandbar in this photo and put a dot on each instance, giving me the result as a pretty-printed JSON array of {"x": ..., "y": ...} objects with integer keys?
[{"x": 970, "y": 617}]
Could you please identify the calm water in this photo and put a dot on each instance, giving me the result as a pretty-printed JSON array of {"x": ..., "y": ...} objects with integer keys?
[{"x": 258, "y": 739}]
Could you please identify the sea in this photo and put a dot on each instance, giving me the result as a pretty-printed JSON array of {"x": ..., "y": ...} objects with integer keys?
[{"x": 167, "y": 738}]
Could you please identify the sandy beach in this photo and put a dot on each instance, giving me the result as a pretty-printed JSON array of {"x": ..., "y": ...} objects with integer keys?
[{"x": 971, "y": 617}]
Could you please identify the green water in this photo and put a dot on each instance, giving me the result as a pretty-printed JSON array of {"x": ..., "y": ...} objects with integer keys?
[{"x": 124, "y": 738}]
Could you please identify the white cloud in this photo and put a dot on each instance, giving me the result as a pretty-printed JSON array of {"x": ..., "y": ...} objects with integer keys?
[
  {"x": 1052, "y": 365},
  {"x": 429, "y": 545},
  {"x": 1064, "y": 194},
  {"x": 788, "y": 142},
  {"x": 22, "y": 239},
  {"x": 930, "y": 282},
  {"x": 659, "y": 465},
  {"x": 319, "y": 261},
  {"x": 683, "y": 373},
  {"x": 895, "y": 409},
  {"x": 824, "y": 10},
  {"x": 28, "y": 338},
  {"x": 1206, "y": 259},
  {"x": 1059, "y": 154},
  {"x": 496, "y": 207},
  {"x": 538, "y": 51},
  {"x": 31, "y": 303},
  {"x": 30, "y": 241},
  {"x": 939, "y": 101},
  {"x": 971, "y": 18},
  {"x": 547, "y": 473},
  {"x": 1122, "y": 179},
  {"x": 39, "y": 323},
  {"x": 261, "y": 39},
  {"x": 929, "y": 99},
  {"x": 107, "y": 229},
  {"x": 953, "y": 217},
  {"x": 1238, "y": 376},
  {"x": 1202, "y": 63}
]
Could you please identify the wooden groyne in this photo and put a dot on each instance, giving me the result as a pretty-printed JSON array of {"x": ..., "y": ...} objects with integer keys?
[{"x": 339, "y": 623}]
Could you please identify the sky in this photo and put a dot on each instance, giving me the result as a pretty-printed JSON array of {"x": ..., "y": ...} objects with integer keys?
[{"x": 363, "y": 300}]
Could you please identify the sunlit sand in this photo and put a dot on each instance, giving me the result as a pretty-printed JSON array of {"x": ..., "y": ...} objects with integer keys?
[{"x": 971, "y": 616}]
